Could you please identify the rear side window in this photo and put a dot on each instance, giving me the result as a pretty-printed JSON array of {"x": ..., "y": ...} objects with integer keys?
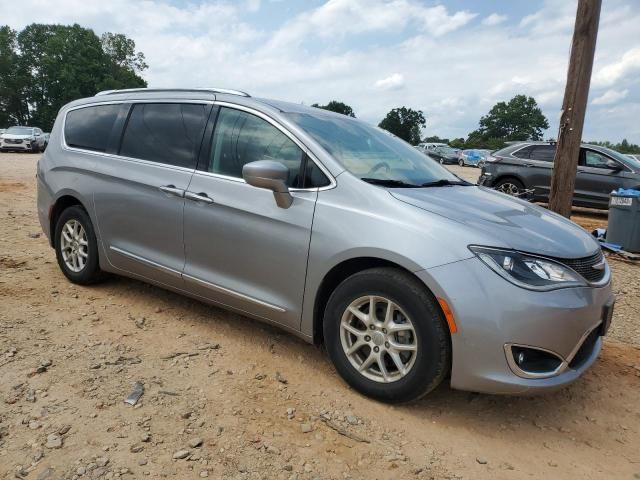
[
  {"x": 89, "y": 128},
  {"x": 544, "y": 153},
  {"x": 167, "y": 133},
  {"x": 524, "y": 152}
]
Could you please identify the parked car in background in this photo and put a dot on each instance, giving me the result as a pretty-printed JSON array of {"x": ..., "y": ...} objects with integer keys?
[
  {"x": 472, "y": 156},
  {"x": 46, "y": 136},
  {"x": 292, "y": 215},
  {"x": 23, "y": 139},
  {"x": 426, "y": 147},
  {"x": 635, "y": 156},
  {"x": 528, "y": 165},
  {"x": 443, "y": 154}
]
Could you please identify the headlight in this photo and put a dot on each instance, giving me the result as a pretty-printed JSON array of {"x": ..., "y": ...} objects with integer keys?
[{"x": 528, "y": 271}]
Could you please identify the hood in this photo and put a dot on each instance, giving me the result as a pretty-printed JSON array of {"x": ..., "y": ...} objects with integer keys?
[
  {"x": 13, "y": 136},
  {"x": 513, "y": 222}
]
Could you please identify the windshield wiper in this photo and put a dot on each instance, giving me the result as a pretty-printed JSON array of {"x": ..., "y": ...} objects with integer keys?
[
  {"x": 445, "y": 183},
  {"x": 387, "y": 182}
]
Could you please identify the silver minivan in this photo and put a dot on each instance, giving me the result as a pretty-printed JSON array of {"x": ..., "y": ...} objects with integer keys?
[{"x": 330, "y": 228}]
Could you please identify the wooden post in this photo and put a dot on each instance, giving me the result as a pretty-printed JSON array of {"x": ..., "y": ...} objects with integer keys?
[{"x": 574, "y": 106}]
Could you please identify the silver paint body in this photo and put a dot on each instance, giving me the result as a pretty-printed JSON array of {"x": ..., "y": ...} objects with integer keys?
[{"x": 243, "y": 252}]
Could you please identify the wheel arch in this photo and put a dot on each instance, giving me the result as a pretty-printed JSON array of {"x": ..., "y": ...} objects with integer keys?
[
  {"x": 510, "y": 175},
  {"x": 63, "y": 202},
  {"x": 340, "y": 272}
]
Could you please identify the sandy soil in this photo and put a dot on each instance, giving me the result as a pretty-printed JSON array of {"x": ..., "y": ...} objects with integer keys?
[{"x": 227, "y": 397}]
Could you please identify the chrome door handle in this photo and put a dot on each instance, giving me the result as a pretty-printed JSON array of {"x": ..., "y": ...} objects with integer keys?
[
  {"x": 198, "y": 197},
  {"x": 172, "y": 190}
]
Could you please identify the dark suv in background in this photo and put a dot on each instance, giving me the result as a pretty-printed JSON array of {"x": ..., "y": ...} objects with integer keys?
[{"x": 529, "y": 165}]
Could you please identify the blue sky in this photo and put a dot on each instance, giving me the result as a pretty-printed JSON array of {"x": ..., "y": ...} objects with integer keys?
[{"x": 452, "y": 59}]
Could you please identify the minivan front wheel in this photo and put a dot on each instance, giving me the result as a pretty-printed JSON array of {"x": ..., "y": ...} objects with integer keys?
[
  {"x": 76, "y": 246},
  {"x": 386, "y": 335}
]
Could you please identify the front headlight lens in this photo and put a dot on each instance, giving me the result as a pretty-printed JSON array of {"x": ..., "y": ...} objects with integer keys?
[{"x": 528, "y": 271}]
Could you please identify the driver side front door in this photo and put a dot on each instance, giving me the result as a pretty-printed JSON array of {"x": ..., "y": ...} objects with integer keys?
[{"x": 242, "y": 250}]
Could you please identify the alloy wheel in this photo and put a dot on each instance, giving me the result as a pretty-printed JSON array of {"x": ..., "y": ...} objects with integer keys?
[
  {"x": 378, "y": 338},
  {"x": 74, "y": 245},
  {"x": 509, "y": 188}
]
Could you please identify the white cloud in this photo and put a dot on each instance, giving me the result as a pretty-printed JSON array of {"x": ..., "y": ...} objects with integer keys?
[
  {"x": 392, "y": 82},
  {"x": 374, "y": 55},
  {"x": 609, "y": 74},
  {"x": 344, "y": 18},
  {"x": 494, "y": 19},
  {"x": 438, "y": 22},
  {"x": 610, "y": 96}
]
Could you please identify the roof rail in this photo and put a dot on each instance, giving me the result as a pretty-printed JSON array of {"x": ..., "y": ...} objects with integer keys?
[{"x": 141, "y": 90}]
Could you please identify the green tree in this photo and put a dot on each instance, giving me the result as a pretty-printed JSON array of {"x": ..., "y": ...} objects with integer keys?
[
  {"x": 435, "y": 139},
  {"x": 518, "y": 119},
  {"x": 622, "y": 147},
  {"x": 55, "y": 64},
  {"x": 13, "y": 80},
  {"x": 338, "y": 107},
  {"x": 457, "y": 143},
  {"x": 405, "y": 123}
]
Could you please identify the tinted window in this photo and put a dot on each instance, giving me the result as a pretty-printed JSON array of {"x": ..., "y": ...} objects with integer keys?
[
  {"x": 164, "y": 132},
  {"x": 89, "y": 128},
  {"x": 595, "y": 160},
  {"x": 544, "y": 153},
  {"x": 313, "y": 176},
  {"x": 524, "y": 152},
  {"x": 240, "y": 138}
]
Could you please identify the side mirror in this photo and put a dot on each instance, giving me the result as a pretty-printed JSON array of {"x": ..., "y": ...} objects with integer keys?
[{"x": 272, "y": 176}]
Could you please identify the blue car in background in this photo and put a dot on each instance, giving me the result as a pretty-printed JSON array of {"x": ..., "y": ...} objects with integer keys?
[{"x": 472, "y": 157}]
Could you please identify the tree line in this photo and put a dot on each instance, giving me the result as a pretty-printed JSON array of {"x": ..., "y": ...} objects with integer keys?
[
  {"x": 519, "y": 119},
  {"x": 43, "y": 67}
]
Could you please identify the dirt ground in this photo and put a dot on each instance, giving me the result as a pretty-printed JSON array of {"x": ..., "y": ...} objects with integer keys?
[{"x": 228, "y": 397}]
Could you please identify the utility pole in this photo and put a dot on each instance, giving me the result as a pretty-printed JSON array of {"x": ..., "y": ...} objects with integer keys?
[{"x": 574, "y": 106}]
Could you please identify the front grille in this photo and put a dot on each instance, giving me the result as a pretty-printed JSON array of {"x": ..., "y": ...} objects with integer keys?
[
  {"x": 584, "y": 266},
  {"x": 11, "y": 140}
]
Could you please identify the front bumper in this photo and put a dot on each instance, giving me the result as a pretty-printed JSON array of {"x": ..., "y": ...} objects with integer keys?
[
  {"x": 485, "y": 179},
  {"x": 491, "y": 313},
  {"x": 15, "y": 146}
]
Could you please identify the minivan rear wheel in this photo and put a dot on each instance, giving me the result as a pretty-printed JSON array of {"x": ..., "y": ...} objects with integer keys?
[
  {"x": 396, "y": 354},
  {"x": 76, "y": 246},
  {"x": 510, "y": 186}
]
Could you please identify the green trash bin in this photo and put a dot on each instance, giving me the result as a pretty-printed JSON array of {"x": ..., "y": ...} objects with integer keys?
[{"x": 624, "y": 220}]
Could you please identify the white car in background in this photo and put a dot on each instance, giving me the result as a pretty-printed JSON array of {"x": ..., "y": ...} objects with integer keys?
[
  {"x": 427, "y": 147},
  {"x": 23, "y": 139}
]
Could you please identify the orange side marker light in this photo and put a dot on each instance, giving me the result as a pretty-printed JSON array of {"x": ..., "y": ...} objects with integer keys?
[{"x": 448, "y": 314}]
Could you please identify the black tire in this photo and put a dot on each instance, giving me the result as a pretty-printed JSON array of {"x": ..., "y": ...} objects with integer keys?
[
  {"x": 509, "y": 185},
  {"x": 461, "y": 162},
  {"x": 433, "y": 356},
  {"x": 91, "y": 272},
  {"x": 442, "y": 161}
]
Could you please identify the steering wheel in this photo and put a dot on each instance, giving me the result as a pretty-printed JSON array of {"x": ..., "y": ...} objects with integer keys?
[{"x": 378, "y": 166}]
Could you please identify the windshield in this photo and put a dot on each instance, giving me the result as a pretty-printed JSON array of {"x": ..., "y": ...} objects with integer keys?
[
  {"x": 369, "y": 152},
  {"x": 20, "y": 131}
]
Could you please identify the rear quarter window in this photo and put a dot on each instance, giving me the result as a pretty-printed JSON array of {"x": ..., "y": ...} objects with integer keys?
[
  {"x": 89, "y": 128},
  {"x": 168, "y": 133}
]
